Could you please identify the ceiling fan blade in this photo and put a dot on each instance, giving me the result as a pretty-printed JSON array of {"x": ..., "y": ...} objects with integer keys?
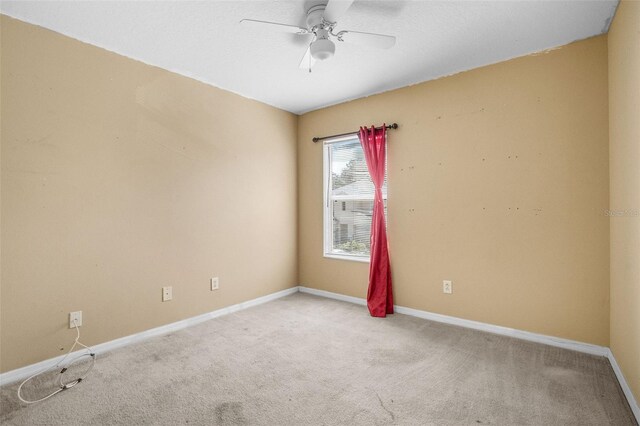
[
  {"x": 293, "y": 29},
  {"x": 335, "y": 9},
  {"x": 379, "y": 41},
  {"x": 307, "y": 60}
]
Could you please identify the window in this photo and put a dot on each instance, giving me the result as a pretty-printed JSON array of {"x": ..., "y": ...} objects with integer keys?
[{"x": 348, "y": 203}]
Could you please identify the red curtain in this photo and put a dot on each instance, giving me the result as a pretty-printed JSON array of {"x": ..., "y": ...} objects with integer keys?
[{"x": 379, "y": 295}]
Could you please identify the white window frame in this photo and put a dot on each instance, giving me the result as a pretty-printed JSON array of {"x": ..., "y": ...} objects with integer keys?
[{"x": 327, "y": 205}]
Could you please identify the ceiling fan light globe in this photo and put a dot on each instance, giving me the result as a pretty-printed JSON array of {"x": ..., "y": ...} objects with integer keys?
[{"x": 322, "y": 49}]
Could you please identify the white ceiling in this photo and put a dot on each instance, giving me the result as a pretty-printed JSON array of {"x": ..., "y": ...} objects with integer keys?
[{"x": 204, "y": 40}]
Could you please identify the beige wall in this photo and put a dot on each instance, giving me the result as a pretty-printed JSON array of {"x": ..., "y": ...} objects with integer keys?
[
  {"x": 624, "y": 150},
  {"x": 119, "y": 178},
  {"x": 498, "y": 180}
]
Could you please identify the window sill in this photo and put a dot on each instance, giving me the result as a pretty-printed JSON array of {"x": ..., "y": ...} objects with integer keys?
[{"x": 360, "y": 259}]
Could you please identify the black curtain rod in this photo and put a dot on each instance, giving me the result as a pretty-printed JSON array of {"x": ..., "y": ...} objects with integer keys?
[{"x": 319, "y": 138}]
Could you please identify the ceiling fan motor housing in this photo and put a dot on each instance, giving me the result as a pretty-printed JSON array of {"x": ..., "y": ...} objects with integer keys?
[{"x": 314, "y": 15}]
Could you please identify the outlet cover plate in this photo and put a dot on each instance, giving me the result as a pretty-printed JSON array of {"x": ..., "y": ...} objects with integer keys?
[
  {"x": 215, "y": 283},
  {"x": 447, "y": 287},
  {"x": 167, "y": 293},
  {"x": 77, "y": 315}
]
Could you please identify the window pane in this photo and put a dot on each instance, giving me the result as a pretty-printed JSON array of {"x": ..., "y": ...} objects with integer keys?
[{"x": 351, "y": 199}]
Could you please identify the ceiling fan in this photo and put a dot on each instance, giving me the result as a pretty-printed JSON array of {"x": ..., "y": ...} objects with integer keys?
[{"x": 321, "y": 20}]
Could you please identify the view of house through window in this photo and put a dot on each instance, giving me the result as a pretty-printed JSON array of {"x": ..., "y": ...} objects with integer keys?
[{"x": 349, "y": 204}]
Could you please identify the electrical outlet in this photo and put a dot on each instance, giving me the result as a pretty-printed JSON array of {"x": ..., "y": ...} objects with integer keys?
[
  {"x": 75, "y": 317},
  {"x": 215, "y": 283},
  {"x": 167, "y": 293},
  {"x": 447, "y": 287}
]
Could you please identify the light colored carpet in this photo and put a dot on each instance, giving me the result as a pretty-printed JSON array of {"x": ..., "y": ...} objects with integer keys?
[{"x": 304, "y": 360}]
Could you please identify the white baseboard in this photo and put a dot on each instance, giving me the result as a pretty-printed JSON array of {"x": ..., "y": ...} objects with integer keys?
[
  {"x": 24, "y": 372},
  {"x": 330, "y": 295},
  {"x": 490, "y": 328},
  {"x": 624, "y": 385},
  {"x": 505, "y": 331}
]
